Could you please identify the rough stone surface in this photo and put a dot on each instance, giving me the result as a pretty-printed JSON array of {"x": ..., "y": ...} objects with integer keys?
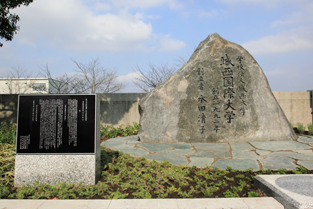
[
  {"x": 51, "y": 169},
  {"x": 220, "y": 95}
]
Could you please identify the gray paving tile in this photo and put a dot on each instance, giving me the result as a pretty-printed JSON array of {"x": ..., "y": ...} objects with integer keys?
[
  {"x": 239, "y": 164},
  {"x": 118, "y": 139},
  {"x": 262, "y": 152},
  {"x": 244, "y": 154},
  {"x": 293, "y": 155},
  {"x": 305, "y": 140},
  {"x": 241, "y": 146},
  {"x": 306, "y": 164},
  {"x": 211, "y": 146},
  {"x": 125, "y": 146},
  {"x": 175, "y": 159},
  {"x": 306, "y": 152},
  {"x": 179, "y": 145},
  {"x": 152, "y": 147},
  {"x": 278, "y": 163},
  {"x": 136, "y": 152},
  {"x": 279, "y": 145},
  {"x": 181, "y": 151},
  {"x": 133, "y": 142},
  {"x": 112, "y": 143},
  {"x": 200, "y": 161},
  {"x": 211, "y": 154}
]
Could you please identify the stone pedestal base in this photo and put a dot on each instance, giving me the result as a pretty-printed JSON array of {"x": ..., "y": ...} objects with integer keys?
[{"x": 52, "y": 169}]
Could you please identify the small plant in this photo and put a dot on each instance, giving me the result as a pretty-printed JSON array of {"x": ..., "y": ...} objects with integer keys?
[
  {"x": 230, "y": 194},
  {"x": 8, "y": 132},
  {"x": 253, "y": 194},
  {"x": 310, "y": 128},
  {"x": 109, "y": 131},
  {"x": 300, "y": 170},
  {"x": 301, "y": 128}
]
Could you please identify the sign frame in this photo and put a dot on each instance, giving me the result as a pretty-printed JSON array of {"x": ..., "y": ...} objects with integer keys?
[{"x": 96, "y": 109}]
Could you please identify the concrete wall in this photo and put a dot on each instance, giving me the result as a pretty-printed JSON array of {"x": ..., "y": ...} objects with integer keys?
[
  {"x": 122, "y": 108},
  {"x": 296, "y": 106},
  {"x": 119, "y": 108}
]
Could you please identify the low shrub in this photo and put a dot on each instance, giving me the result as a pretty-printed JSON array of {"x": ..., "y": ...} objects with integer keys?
[
  {"x": 109, "y": 131},
  {"x": 300, "y": 127},
  {"x": 8, "y": 133}
]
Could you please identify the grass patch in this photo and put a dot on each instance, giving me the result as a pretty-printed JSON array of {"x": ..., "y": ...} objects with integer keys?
[{"x": 127, "y": 177}]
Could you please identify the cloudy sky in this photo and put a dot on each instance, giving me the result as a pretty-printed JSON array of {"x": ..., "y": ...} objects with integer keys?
[{"x": 124, "y": 34}]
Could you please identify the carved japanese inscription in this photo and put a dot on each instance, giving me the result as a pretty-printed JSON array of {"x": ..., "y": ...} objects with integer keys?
[
  {"x": 226, "y": 97},
  {"x": 56, "y": 124}
]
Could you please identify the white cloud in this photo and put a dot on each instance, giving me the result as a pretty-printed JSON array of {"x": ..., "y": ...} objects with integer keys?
[
  {"x": 71, "y": 25},
  {"x": 298, "y": 39},
  {"x": 169, "y": 44},
  {"x": 211, "y": 13},
  {"x": 267, "y": 3},
  {"x": 303, "y": 16},
  {"x": 290, "y": 78},
  {"x": 128, "y": 80},
  {"x": 131, "y": 4}
]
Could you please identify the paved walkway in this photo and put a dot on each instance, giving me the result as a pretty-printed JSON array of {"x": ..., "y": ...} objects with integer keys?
[
  {"x": 208, "y": 203},
  {"x": 238, "y": 155}
]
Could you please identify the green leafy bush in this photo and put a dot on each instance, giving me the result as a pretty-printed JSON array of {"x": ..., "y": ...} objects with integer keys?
[
  {"x": 8, "y": 133},
  {"x": 109, "y": 131},
  {"x": 300, "y": 127}
]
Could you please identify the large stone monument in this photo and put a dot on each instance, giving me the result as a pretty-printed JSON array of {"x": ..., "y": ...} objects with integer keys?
[
  {"x": 58, "y": 139},
  {"x": 220, "y": 95}
]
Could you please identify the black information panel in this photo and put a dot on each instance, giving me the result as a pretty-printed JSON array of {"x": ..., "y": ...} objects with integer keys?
[{"x": 56, "y": 124}]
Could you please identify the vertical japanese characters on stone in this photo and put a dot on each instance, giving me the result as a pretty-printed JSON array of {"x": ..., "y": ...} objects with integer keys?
[
  {"x": 202, "y": 102},
  {"x": 226, "y": 97}
]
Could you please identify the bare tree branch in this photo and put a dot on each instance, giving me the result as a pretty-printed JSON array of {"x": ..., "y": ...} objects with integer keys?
[
  {"x": 18, "y": 81},
  {"x": 147, "y": 80},
  {"x": 61, "y": 84},
  {"x": 96, "y": 78}
]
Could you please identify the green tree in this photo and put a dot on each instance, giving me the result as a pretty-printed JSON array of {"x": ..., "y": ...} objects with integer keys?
[{"x": 8, "y": 21}]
